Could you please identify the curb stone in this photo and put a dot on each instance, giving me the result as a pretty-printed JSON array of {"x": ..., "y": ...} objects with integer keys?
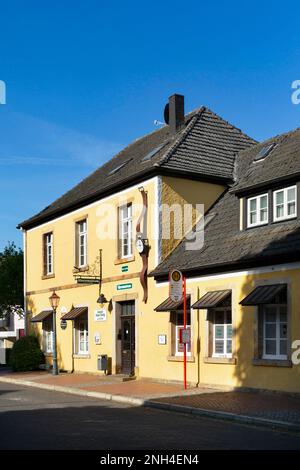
[
  {"x": 148, "y": 403},
  {"x": 224, "y": 415}
]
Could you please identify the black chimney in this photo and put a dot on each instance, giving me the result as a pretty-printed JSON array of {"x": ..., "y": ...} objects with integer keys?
[{"x": 174, "y": 112}]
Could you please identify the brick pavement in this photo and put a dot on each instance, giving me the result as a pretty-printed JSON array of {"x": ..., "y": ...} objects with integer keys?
[{"x": 267, "y": 405}]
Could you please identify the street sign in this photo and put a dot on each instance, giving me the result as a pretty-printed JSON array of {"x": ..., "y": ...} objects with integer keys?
[
  {"x": 125, "y": 286},
  {"x": 185, "y": 335},
  {"x": 175, "y": 285}
]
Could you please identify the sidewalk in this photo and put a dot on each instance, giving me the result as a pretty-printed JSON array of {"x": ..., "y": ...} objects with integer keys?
[{"x": 260, "y": 408}]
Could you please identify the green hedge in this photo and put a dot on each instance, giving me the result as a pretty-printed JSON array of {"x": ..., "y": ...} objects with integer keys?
[{"x": 26, "y": 354}]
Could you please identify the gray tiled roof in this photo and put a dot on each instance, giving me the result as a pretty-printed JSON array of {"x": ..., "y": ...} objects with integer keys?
[
  {"x": 225, "y": 245},
  {"x": 204, "y": 148},
  {"x": 283, "y": 161}
]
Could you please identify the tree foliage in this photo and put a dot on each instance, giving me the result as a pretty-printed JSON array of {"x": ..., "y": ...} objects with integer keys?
[{"x": 11, "y": 277}]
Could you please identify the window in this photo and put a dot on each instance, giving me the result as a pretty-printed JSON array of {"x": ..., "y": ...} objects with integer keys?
[
  {"x": 119, "y": 167},
  {"x": 257, "y": 208},
  {"x": 179, "y": 347},
  {"x": 222, "y": 333},
  {"x": 264, "y": 152},
  {"x": 81, "y": 243},
  {"x": 275, "y": 331},
  {"x": 285, "y": 203},
  {"x": 48, "y": 253},
  {"x": 125, "y": 230},
  {"x": 48, "y": 334},
  {"x": 81, "y": 334}
]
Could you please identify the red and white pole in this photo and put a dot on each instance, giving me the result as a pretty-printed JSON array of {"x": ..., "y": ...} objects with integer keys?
[{"x": 184, "y": 326}]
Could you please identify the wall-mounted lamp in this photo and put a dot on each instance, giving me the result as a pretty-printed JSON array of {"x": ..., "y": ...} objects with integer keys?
[{"x": 102, "y": 300}]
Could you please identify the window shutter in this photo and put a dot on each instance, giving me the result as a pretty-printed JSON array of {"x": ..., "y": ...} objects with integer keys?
[
  {"x": 260, "y": 332},
  {"x": 173, "y": 333},
  {"x": 44, "y": 255},
  {"x": 210, "y": 318},
  {"x": 76, "y": 244},
  {"x": 119, "y": 240}
]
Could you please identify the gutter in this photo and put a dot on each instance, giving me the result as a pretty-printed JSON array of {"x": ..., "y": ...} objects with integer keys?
[
  {"x": 270, "y": 183},
  {"x": 227, "y": 267}
]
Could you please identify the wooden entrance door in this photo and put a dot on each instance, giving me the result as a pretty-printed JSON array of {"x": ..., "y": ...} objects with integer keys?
[{"x": 128, "y": 344}]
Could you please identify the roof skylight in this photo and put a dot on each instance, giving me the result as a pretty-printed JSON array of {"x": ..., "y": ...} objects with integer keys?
[
  {"x": 119, "y": 167},
  {"x": 264, "y": 152},
  {"x": 153, "y": 152}
]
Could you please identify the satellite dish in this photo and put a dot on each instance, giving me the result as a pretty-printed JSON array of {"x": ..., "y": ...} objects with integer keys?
[{"x": 166, "y": 113}]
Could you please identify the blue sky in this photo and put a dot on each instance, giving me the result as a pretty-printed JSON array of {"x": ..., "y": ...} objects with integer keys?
[{"x": 85, "y": 78}]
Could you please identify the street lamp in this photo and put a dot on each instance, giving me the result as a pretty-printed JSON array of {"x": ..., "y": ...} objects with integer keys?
[{"x": 54, "y": 301}]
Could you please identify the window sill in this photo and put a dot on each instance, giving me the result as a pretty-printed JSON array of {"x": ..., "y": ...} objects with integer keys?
[
  {"x": 48, "y": 276},
  {"x": 81, "y": 356},
  {"x": 81, "y": 270},
  {"x": 180, "y": 359},
  {"x": 219, "y": 360},
  {"x": 272, "y": 362},
  {"x": 124, "y": 260}
]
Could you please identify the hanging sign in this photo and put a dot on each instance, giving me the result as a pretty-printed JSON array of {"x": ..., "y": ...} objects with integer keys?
[{"x": 175, "y": 285}]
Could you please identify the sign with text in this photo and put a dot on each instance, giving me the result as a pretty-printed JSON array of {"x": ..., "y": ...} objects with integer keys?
[
  {"x": 125, "y": 286},
  {"x": 100, "y": 314},
  {"x": 175, "y": 285},
  {"x": 185, "y": 335}
]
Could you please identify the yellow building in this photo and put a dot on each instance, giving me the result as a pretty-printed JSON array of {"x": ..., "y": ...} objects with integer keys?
[{"x": 96, "y": 245}]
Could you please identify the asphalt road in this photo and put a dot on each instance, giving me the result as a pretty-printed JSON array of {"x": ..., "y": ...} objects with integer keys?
[{"x": 39, "y": 419}]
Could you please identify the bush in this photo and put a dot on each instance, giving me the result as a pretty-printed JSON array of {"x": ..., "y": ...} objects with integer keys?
[{"x": 26, "y": 354}]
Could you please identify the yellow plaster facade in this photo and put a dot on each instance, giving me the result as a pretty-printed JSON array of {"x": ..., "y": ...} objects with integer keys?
[{"x": 152, "y": 360}]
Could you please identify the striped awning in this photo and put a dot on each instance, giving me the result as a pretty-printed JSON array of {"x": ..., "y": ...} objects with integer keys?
[
  {"x": 265, "y": 295},
  {"x": 212, "y": 299},
  {"x": 74, "y": 313},
  {"x": 168, "y": 305},
  {"x": 42, "y": 316}
]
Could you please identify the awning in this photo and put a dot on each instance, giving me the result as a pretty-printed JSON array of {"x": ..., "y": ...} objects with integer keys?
[
  {"x": 168, "y": 305},
  {"x": 74, "y": 313},
  {"x": 212, "y": 299},
  {"x": 42, "y": 316},
  {"x": 264, "y": 295}
]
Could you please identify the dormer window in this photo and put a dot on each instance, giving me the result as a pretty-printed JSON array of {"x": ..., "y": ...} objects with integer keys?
[
  {"x": 257, "y": 210},
  {"x": 285, "y": 203}
]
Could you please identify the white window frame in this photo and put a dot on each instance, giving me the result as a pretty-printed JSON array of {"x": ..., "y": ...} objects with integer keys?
[
  {"x": 82, "y": 236},
  {"x": 226, "y": 312},
  {"x": 258, "y": 210},
  {"x": 177, "y": 336},
  {"x": 126, "y": 222},
  {"x": 48, "y": 338},
  {"x": 48, "y": 240},
  {"x": 278, "y": 338},
  {"x": 85, "y": 342},
  {"x": 285, "y": 204}
]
